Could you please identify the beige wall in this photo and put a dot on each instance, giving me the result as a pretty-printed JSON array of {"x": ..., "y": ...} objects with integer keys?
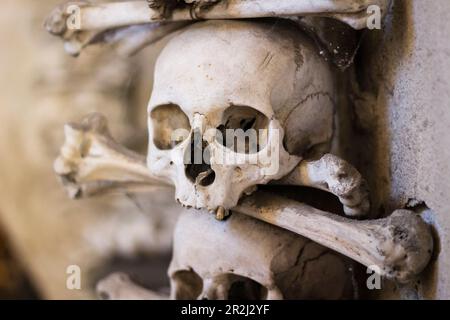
[
  {"x": 404, "y": 144},
  {"x": 41, "y": 88}
]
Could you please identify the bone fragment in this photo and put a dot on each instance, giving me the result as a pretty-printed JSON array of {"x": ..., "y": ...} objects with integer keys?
[
  {"x": 91, "y": 162},
  {"x": 119, "y": 286},
  {"x": 399, "y": 245},
  {"x": 334, "y": 175}
]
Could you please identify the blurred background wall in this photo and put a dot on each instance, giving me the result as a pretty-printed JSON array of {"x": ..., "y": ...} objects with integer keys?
[{"x": 41, "y": 89}]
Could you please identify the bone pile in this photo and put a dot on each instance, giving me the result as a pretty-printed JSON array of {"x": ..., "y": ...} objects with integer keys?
[{"x": 233, "y": 74}]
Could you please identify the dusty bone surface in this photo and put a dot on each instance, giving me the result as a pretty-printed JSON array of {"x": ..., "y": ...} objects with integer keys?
[
  {"x": 400, "y": 245},
  {"x": 401, "y": 265},
  {"x": 336, "y": 176},
  {"x": 133, "y": 25},
  {"x": 251, "y": 259},
  {"x": 242, "y": 258},
  {"x": 89, "y": 149},
  {"x": 275, "y": 82},
  {"x": 119, "y": 14}
]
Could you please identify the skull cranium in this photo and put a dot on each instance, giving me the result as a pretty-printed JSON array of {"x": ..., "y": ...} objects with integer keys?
[
  {"x": 248, "y": 259},
  {"x": 236, "y": 75}
]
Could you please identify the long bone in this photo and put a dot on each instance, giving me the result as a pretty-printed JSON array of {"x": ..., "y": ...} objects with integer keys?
[
  {"x": 118, "y": 14},
  {"x": 336, "y": 176},
  {"x": 126, "y": 40},
  {"x": 89, "y": 149},
  {"x": 400, "y": 245},
  {"x": 81, "y": 23},
  {"x": 91, "y": 162}
]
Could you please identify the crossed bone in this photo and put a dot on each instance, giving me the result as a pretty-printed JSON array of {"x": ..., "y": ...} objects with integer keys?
[
  {"x": 132, "y": 25},
  {"x": 91, "y": 163}
]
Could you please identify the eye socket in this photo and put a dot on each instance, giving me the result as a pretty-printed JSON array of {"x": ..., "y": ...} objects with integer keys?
[
  {"x": 246, "y": 289},
  {"x": 170, "y": 126},
  {"x": 189, "y": 285},
  {"x": 243, "y": 129}
]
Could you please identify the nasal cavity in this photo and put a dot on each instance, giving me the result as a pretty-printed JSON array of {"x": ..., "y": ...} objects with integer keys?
[{"x": 197, "y": 161}]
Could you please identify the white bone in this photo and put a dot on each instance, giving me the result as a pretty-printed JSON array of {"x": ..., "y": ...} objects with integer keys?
[
  {"x": 119, "y": 14},
  {"x": 115, "y": 19},
  {"x": 228, "y": 75},
  {"x": 119, "y": 286},
  {"x": 329, "y": 173},
  {"x": 126, "y": 39},
  {"x": 91, "y": 162},
  {"x": 258, "y": 260},
  {"x": 334, "y": 175},
  {"x": 129, "y": 40},
  {"x": 399, "y": 245}
]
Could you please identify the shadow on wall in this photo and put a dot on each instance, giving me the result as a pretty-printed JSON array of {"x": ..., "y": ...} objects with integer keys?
[
  {"x": 384, "y": 140},
  {"x": 14, "y": 282},
  {"x": 381, "y": 54}
]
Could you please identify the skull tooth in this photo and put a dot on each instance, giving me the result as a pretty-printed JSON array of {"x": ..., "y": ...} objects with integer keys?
[{"x": 221, "y": 213}]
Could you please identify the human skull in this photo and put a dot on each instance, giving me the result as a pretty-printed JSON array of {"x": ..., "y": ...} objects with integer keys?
[
  {"x": 243, "y": 258},
  {"x": 218, "y": 76}
]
